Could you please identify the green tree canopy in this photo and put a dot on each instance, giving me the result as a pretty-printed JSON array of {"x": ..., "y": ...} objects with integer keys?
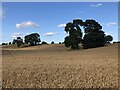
[
  {"x": 93, "y": 34},
  {"x": 108, "y": 38},
  {"x": 43, "y": 42},
  {"x": 18, "y": 41},
  {"x": 75, "y": 34},
  {"x": 52, "y": 42},
  {"x": 32, "y": 39}
]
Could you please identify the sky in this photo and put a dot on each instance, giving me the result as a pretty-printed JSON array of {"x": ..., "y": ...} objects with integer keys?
[{"x": 49, "y": 18}]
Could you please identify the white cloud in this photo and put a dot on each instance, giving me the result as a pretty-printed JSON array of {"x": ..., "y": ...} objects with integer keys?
[
  {"x": 96, "y": 5},
  {"x": 50, "y": 33},
  {"x": 27, "y": 24},
  {"x": 15, "y": 35},
  {"x": 111, "y": 23},
  {"x": 62, "y": 25}
]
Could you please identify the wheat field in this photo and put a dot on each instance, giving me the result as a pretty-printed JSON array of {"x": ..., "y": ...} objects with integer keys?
[{"x": 55, "y": 66}]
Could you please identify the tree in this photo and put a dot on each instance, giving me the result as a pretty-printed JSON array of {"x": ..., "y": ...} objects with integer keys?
[
  {"x": 118, "y": 41},
  {"x": 75, "y": 34},
  {"x": 52, "y": 42},
  {"x": 43, "y": 42},
  {"x": 19, "y": 41},
  {"x": 9, "y": 43},
  {"x": 14, "y": 41},
  {"x": 4, "y": 43},
  {"x": 32, "y": 39},
  {"x": 94, "y": 36},
  {"x": 60, "y": 43},
  {"x": 108, "y": 38}
]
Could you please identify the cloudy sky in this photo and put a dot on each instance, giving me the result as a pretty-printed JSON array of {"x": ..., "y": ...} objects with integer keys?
[{"x": 49, "y": 19}]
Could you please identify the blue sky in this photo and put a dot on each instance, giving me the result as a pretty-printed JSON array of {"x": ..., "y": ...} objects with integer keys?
[{"x": 49, "y": 18}]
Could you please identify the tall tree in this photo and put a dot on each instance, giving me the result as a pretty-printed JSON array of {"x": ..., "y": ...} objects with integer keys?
[
  {"x": 75, "y": 34},
  {"x": 94, "y": 36}
]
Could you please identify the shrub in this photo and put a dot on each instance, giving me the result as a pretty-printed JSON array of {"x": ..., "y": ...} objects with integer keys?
[
  {"x": 43, "y": 42},
  {"x": 114, "y": 42},
  {"x": 4, "y": 43},
  {"x": 60, "y": 43},
  {"x": 52, "y": 42}
]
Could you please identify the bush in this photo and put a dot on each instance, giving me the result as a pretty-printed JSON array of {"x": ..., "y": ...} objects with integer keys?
[
  {"x": 60, "y": 43},
  {"x": 52, "y": 42},
  {"x": 118, "y": 42},
  {"x": 114, "y": 42},
  {"x": 10, "y": 43},
  {"x": 4, "y": 43},
  {"x": 43, "y": 42}
]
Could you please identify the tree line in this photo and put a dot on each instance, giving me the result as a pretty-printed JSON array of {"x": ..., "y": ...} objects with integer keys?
[
  {"x": 31, "y": 40},
  {"x": 93, "y": 37}
]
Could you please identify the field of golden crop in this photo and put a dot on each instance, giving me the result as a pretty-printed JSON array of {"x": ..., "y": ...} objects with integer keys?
[{"x": 55, "y": 66}]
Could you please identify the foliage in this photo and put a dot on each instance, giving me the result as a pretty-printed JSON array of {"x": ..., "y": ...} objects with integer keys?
[
  {"x": 19, "y": 41},
  {"x": 94, "y": 36},
  {"x": 4, "y": 43},
  {"x": 14, "y": 41},
  {"x": 60, "y": 43},
  {"x": 75, "y": 34},
  {"x": 52, "y": 42},
  {"x": 114, "y": 42},
  {"x": 32, "y": 39},
  {"x": 108, "y": 38},
  {"x": 9, "y": 43},
  {"x": 118, "y": 42},
  {"x": 43, "y": 42}
]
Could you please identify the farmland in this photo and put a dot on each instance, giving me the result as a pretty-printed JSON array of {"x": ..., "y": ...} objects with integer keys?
[{"x": 55, "y": 66}]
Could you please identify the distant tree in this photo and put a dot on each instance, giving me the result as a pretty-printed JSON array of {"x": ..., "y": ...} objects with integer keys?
[
  {"x": 14, "y": 41},
  {"x": 43, "y": 42},
  {"x": 118, "y": 42},
  {"x": 9, "y": 43},
  {"x": 32, "y": 39},
  {"x": 60, "y": 43},
  {"x": 4, "y": 43},
  {"x": 108, "y": 38},
  {"x": 19, "y": 41},
  {"x": 52, "y": 42},
  {"x": 75, "y": 34},
  {"x": 114, "y": 42}
]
